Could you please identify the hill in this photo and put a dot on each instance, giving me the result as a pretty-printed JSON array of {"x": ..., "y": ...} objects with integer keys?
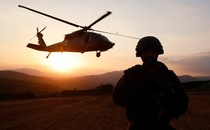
[
  {"x": 83, "y": 82},
  {"x": 17, "y": 86},
  {"x": 111, "y": 77},
  {"x": 8, "y": 74},
  {"x": 34, "y": 72},
  {"x": 12, "y": 81},
  {"x": 187, "y": 78}
]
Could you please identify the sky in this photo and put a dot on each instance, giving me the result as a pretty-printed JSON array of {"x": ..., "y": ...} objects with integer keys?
[{"x": 182, "y": 26}]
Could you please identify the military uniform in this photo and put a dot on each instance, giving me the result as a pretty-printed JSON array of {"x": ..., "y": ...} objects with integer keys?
[{"x": 151, "y": 99}]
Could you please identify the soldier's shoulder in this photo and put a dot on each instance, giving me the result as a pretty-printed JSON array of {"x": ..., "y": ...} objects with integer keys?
[
  {"x": 165, "y": 69},
  {"x": 162, "y": 66},
  {"x": 134, "y": 69}
]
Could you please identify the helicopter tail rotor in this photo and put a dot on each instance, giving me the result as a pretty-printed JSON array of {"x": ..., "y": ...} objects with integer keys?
[{"x": 38, "y": 32}]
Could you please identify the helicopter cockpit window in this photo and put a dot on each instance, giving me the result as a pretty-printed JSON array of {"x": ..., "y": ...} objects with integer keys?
[{"x": 104, "y": 38}]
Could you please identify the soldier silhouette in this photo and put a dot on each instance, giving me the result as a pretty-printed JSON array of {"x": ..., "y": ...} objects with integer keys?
[{"x": 150, "y": 93}]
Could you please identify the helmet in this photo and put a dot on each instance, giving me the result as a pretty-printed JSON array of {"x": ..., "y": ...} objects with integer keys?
[{"x": 148, "y": 42}]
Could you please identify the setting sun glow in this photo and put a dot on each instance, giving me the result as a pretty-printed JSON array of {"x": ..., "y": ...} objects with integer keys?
[{"x": 64, "y": 62}]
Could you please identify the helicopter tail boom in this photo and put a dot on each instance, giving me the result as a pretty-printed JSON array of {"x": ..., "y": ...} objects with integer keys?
[{"x": 37, "y": 47}]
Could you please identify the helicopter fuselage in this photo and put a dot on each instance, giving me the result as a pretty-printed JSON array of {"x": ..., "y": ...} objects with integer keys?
[
  {"x": 78, "y": 41},
  {"x": 86, "y": 41}
]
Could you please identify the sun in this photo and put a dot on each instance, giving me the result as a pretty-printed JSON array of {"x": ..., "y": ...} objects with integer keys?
[{"x": 64, "y": 62}]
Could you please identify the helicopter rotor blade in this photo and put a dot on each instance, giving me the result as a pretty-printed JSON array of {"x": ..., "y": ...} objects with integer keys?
[
  {"x": 37, "y": 31},
  {"x": 75, "y": 25},
  {"x": 33, "y": 37},
  {"x": 99, "y": 19},
  {"x": 61, "y": 20},
  {"x": 117, "y": 34},
  {"x": 43, "y": 29}
]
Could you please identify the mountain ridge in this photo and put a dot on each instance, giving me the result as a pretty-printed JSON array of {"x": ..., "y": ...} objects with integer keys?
[
  {"x": 18, "y": 82},
  {"x": 112, "y": 77}
]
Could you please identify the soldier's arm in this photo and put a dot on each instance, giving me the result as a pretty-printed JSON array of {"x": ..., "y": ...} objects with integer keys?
[
  {"x": 125, "y": 96},
  {"x": 181, "y": 98}
]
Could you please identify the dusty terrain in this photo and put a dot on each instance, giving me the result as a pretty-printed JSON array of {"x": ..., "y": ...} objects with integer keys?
[{"x": 90, "y": 113}]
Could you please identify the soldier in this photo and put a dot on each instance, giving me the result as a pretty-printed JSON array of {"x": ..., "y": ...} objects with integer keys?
[{"x": 150, "y": 93}]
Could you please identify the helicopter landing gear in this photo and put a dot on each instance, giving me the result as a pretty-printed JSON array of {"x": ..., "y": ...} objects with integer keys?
[
  {"x": 98, "y": 53},
  {"x": 48, "y": 55}
]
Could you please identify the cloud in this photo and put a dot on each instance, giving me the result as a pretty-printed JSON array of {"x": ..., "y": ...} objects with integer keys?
[{"x": 195, "y": 64}]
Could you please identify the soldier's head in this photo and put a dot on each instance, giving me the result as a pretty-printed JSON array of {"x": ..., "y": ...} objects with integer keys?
[{"x": 148, "y": 48}]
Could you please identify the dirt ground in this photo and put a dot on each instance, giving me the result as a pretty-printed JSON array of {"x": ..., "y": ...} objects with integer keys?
[
  {"x": 198, "y": 114},
  {"x": 90, "y": 113}
]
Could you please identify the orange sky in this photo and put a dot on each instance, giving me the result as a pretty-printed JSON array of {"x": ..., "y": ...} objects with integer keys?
[{"x": 182, "y": 27}]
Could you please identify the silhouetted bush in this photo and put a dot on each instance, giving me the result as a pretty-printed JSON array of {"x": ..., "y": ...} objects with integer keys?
[
  {"x": 99, "y": 90},
  {"x": 14, "y": 96},
  {"x": 105, "y": 89},
  {"x": 194, "y": 84}
]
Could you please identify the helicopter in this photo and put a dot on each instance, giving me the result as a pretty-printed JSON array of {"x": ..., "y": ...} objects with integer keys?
[{"x": 83, "y": 40}]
